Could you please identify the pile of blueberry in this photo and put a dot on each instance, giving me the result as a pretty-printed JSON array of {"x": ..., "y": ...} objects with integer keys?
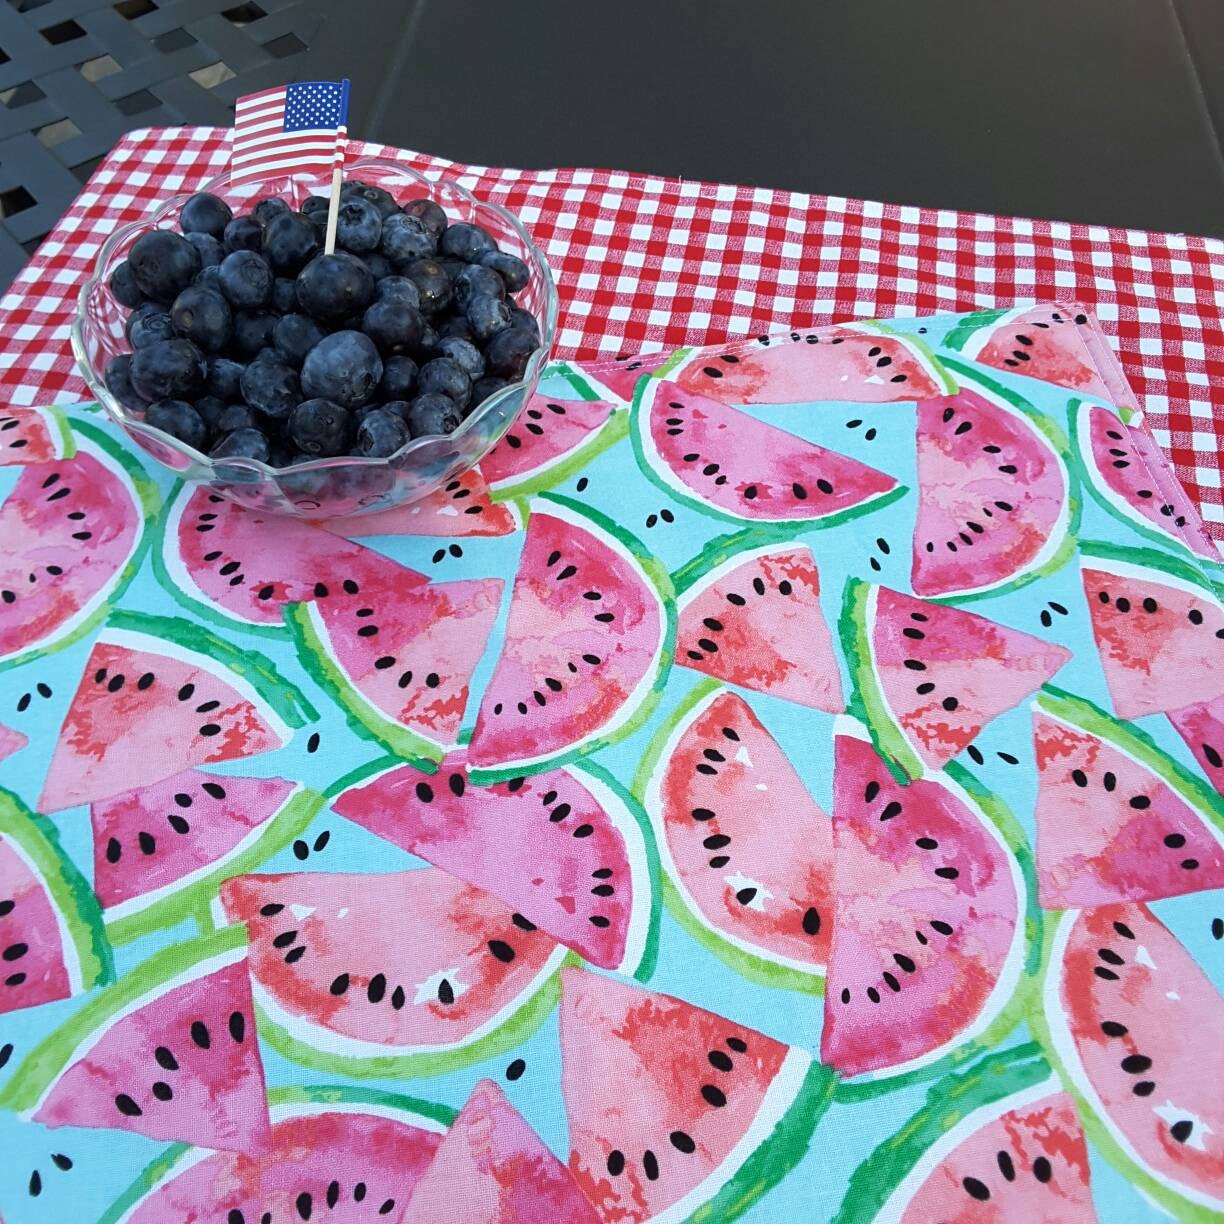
[{"x": 248, "y": 341}]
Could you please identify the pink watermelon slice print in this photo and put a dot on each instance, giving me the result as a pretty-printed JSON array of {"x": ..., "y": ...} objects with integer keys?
[
  {"x": 621, "y": 375},
  {"x": 929, "y": 909},
  {"x": 1046, "y": 342},
  {"x": 859, "y": 364},
  {"x": 240, "y": 567},
  {"x": 720, "y": 1112},
  {"x": 996, "y": 506},
  {"x": 34, "y": 435},
  {"x": 1137, "y": 1032},
  {"x": 928, "y": 678},
  {"x": 568, "y": 850},
  {"x": 341, "y": 1154},
  {"x": 1129, "y": 477},
  {"x": 1202, "y": 727},
  {"x": 588, "y": 640},
  {"x": 752, "y": 617},
  {"x": 399, "y": 659},
  {"x": 51, "y": 940},
  {"x": 747, "y": 853},
  {"x": 11, "y": 741},
  {"x": 159, "y": 695},
  {"x": 549, "y": 441},
  {"x": 462, "y": 507},
  {"x": 408, "y": 974},
  {"x": 168, "y": 1052},
  {"x": 71, "y": 538},
  {"x": 1117, "y": 819},
  {"x": 162, "y": 851},
  {"x": 491, "y": 1168},
  {"x": 1000, "y": 1141},
  {"x": 730, "y": 465},
  {"x": 1158, "y": 627}
]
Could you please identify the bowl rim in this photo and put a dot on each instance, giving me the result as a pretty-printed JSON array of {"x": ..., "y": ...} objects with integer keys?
[{"x": 230, "y": 467}]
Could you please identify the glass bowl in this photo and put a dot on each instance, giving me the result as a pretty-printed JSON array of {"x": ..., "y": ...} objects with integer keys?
[{"x": 322, "y": 488}]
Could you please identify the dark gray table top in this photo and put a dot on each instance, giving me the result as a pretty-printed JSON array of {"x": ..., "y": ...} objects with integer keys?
[{"x": 1106, "y": 111}]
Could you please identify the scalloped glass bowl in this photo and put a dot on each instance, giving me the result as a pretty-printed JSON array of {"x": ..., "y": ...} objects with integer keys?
[{"x": 323, "y": 488}]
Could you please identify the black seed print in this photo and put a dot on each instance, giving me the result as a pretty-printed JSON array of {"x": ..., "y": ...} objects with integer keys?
[
  {"x": 976, "y": 1189},
  {"x": 515, "y": 1070},
  {"x": 301, "y": 850}
]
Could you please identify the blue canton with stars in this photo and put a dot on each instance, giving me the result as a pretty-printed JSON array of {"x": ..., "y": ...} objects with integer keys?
[{"x": 311, "y": 105}]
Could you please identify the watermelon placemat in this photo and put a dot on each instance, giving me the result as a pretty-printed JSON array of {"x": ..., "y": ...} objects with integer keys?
[{"x": 782, "y": 784}]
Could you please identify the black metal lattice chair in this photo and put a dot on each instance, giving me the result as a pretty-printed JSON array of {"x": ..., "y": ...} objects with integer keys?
[{"x": 75, "y": 75}]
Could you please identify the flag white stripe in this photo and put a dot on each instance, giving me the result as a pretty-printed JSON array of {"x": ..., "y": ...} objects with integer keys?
[
  {"x": 252, "y": 106},
  {"x": 293, "y": 164},
  {"x": 261, "y": 112},
  {"x": 275, "y": 138},
  {"x": 321, "y": 151},
  {"x": 275, "y": 126}
]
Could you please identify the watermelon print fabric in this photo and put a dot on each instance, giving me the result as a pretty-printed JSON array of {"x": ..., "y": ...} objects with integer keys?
[{"x": 786, "y": 782}]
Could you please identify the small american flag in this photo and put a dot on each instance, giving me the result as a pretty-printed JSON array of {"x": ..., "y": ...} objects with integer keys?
[{"x": 293, "y": 129}]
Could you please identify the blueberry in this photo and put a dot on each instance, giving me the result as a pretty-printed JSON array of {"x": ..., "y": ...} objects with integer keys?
[
  {"x": 379, "y": 265},
  {"x": 400, "y": 407},
  {"x": 118, "y": 378},
  {"x": 224, "y": 379},
  {"x": 320, "y": 427},
  {"x": 397, "y": 288},
  {"x": 433, "y": 414},
  {"x": 394, "y": 326},
  {"x": 243, "y": 234},
  {"x": 464, "y": 354},
  {"x": 506, "y": 355},
  {"x": 466, "y": 241},
  {"x": 398, "y": 378},
  {"x": 294, "y": 336},
  {"x": 242, "y": 444},
  {"x": 432, "y": 282},
  {"x": 447, "y": 377},
  {"x": 124, "y": 288},
  {"x": 267, "y": 208},
  {"x": 482, "y": 388},
  {"x": 451, "y": 266},
  {"x": 253, "y": 331},
  {"x": 474, "y": 281},
  {"x": 246, "y": 280},
  {"x": 426, "y": 347},
  {"x": 512, "y": 270},
  {"x": 271, "y": 387},
  {"x": 234, "y": 416},
  {"x": 405, "y": 238},
  {"x": 429, "y": 214},
  {"x": 208, "y": 277},
  {"x": 205, "y": 213},
  {"x": 487, "y": 316},
  {"x": 146, "y": 327},
  {"x": 344, "y": 367},
  {"x": 203, "y": 316},
  {"x": 358, "y": 225},
  {"x": 210, "y": 249},
  {"x": 455, "y": 326},
  {"x": 315, "y": 204},
  {"x": 333, "y": 287},
  {"x": 180, "y": 420},
  {"x": 380, "y": 434},
  {"x": 163, "y": 264},
  {"x": 210, "y": 409},
  {"x": 524, "y": 320},
  {"x": 382, "y": 200},
  {"x": 284, "y": 295},
  {"x": 290, "y": 241}
]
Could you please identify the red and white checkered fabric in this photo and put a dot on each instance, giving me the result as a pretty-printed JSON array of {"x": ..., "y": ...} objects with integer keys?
[{"x": 648, "y": 263}]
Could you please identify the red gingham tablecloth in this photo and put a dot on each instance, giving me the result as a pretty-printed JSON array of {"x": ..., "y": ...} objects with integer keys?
[{"x": 649, "y": 263}]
